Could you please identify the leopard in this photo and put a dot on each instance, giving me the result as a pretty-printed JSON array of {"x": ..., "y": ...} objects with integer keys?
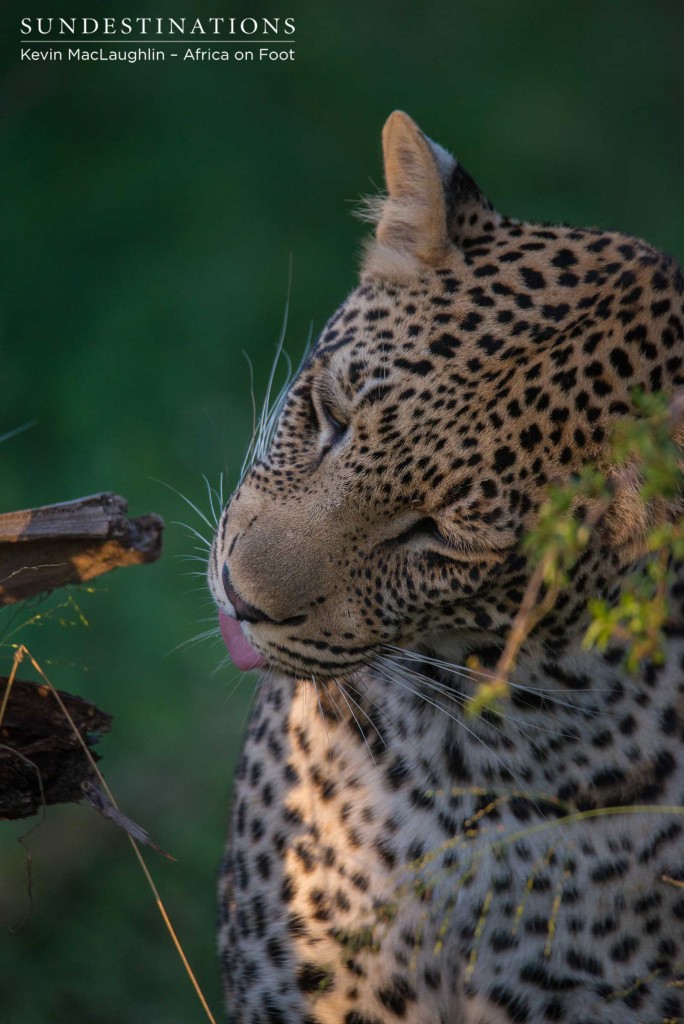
[{"x": 393, "y": 857}]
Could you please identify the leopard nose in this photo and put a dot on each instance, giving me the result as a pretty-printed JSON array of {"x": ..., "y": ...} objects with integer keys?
[{"x": 244, "y": 611}]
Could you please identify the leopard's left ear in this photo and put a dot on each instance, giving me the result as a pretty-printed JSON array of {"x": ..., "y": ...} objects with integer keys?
[{"x": 432, "y": 202}]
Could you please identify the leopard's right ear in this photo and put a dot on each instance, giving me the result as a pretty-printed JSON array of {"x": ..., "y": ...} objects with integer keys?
[
  {"x": 414, "y": 217},
  {"x": 432, "y": 203}
]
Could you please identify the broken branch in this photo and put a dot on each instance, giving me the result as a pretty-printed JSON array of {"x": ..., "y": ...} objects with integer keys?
[{"x": 55, "y": 545}]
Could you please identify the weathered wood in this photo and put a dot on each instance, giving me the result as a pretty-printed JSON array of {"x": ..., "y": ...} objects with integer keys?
[
  {"x": 41, "y": 759},
  {"x": 55, "y": 545}
]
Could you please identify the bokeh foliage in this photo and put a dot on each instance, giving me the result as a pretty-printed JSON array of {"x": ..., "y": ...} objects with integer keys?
[{"x": 149, "y": 214}]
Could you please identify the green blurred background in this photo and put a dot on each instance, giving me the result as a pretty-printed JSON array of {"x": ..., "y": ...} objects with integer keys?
[{"x": 149, "y": 213}]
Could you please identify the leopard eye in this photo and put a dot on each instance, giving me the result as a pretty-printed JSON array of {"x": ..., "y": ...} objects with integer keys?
[
  {"x": 329, "y": 423},
  {"x": 426, "y": 529},
  {"x": 333, "y": 423}
]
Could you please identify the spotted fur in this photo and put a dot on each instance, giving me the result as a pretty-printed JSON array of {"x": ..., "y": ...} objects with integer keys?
[{"x": 391, "y": 859}]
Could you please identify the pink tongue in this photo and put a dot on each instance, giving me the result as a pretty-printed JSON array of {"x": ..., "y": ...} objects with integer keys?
[{"x": 241, "y": 651}]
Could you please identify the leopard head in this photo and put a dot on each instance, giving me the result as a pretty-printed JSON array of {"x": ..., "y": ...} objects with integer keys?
[{"x": 479, "y": 358}]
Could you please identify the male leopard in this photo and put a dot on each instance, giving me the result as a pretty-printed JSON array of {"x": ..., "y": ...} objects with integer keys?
[{"x": 392, "y": 859}]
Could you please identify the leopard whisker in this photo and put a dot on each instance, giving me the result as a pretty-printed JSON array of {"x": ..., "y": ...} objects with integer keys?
[
  {"x": 448, "y": 693},
  {"x": 195, "y": 533},
  {"x": 475, "y": 675},
  {"x": 261, "y": 432},
  {"x": 211, "y": 494},
  {"x": 320, "y": 708},
  {"x": 394, "y": 679},
  {"x": 356, "y": 682},
  {"x": 472, "y": 676},
  {"x": 207, "y": 634},
  {"x": 195, "y": 508},
  {"x": 358, "y": 724}
]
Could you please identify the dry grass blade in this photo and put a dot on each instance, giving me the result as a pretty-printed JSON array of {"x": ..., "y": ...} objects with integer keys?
[{"x": 23, "y": 652}]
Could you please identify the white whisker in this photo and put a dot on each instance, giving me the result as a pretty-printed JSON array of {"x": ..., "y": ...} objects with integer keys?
[
  {"x": 194, "y": 532},
  {"x": 191, "y": 504},
  {"x": 358, "y": 724},
  {"x": 320, "y": 708},
  {"x": 394, "y": 676},
  {"x": 192, "y": 641},
  {"x": 448, "y": 693},
  {"x": 476, "y": 676},
  {"x": 211, "y": 493}
]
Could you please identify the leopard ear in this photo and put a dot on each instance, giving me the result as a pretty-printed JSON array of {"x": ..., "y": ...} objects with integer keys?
[
  {"x": 413, "y": 221},
  {"x": 432, "y": 202}
]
